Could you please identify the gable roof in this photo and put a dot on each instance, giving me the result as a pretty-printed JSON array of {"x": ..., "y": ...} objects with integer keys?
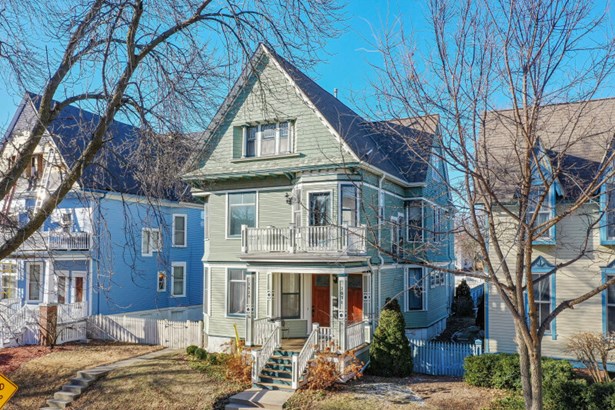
[
  {"x": 397, "y": 149},
  {"x": 71, "y": 131},
  {"x": 575, "y": 136}
]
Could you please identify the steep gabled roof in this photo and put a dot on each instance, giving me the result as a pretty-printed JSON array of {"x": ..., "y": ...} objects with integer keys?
[
  {"x": 71, "y": 131},
  {"x": 575, "y": 136},
  {"x": 394, "y": 148}
]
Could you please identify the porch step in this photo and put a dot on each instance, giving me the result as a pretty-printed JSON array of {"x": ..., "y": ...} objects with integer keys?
[
  {"x": 276, "y": 380},
  {"x": 272, "y": 386},
  {"x": 282, "y": 374},
  {"x": 258, "y": 398},
  {"x": 277, "y": 372}
]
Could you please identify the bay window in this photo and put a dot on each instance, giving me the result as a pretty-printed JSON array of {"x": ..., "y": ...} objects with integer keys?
[
  {"x": 414, "y": 212},
  {"x": 348, "y": 205}
]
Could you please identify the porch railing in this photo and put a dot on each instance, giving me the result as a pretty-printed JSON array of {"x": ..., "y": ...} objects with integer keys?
[
  {"x": 72, "y": 312},
  {"x": 326, "y": 339},
  {"x": 62, "y": 241},
  {"x": 355, "y": 335},
  {"x": 316, "y": 239},
  {"x": 301, "y": 361},
  {"x": 261, "y": 356},
  {"x": 262, "y": 329}
]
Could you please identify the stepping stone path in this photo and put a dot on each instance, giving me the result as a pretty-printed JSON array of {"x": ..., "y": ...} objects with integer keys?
[
  {"x": 85, "y": 378},
  {"x": 259, "y": 398}
]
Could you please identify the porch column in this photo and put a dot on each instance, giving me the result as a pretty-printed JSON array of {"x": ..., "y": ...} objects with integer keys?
[
  {"x": 250, "y": 289},
  {"x": 48, "y": 284},
  {"x": 342, "y": 308}
]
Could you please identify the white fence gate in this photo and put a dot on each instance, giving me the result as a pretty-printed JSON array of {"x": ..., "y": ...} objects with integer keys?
[{"x": 167, "y": 333}]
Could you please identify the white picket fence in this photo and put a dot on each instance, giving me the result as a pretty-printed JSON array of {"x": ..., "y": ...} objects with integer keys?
[
  {"x": 442, "y": 358},
  {"x": 167, "y": 333}
]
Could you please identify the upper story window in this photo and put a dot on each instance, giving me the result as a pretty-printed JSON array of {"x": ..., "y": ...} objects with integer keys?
[
  {"x": 179, "y": 230},
  {"x": 268, "y": 139},
  {"x": 543, "y": 210},
  {"x": 414, "y": 215},
  {"x": 415, "y": 295},
  {"x": 178, "y": 280},
  {"x": 241, "y": 211},
  {"x": 397, "y": 235},
  {"x": 150, "y": 241},
  {"x": 320, "y": 208},
  {"x": 609, "y": 210},
  {"x": 542, "y": 295},
  {"x": 348, "y": 205}
]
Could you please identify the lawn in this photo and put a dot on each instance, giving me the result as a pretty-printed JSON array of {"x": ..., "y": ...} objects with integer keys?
[
  {"x": 167, "y": 382},
  {"x": 396, "y": 394},
  {"x": 47, "y": 370}
]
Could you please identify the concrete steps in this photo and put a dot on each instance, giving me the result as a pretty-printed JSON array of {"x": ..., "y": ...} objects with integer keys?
[
  {"x": 259, "y": 398},
  {"x": 70, "y": 392}
]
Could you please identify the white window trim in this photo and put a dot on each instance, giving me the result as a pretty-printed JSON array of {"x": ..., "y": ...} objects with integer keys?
[
  {"x": 258, "y": 139},
  {"x": 226, "y": 291},
  {"x": 396, "y": 226},
  {"x": 227, "y": 220},
  {"x": 357, "y": 201},
  {"x": 165, "y": 281},
  {"x": 406, "y": 290},
  {"x": 206, "y": 292},
  {"x": 153, "y": 247},
  {"x": 40, "y": 285},
  {"x": 185, "y": 216},
  {"x": 173, "y": 266},
  {"x": 422, "y": 203},
  {"x": 332, "y": 217}
]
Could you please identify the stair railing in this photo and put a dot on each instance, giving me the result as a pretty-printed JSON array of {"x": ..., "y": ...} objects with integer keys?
[
  {"x": 301, "y": 361},
  {"x": 261, "y": 356}
]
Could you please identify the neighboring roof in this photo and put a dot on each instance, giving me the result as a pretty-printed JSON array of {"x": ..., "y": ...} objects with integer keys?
[
  {"x": 389, "y": 148},
  {"x": 575, "y": 136},
  {"x": 71, "y": 131}
]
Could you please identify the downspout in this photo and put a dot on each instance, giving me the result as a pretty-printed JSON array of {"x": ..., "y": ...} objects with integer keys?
[{"x": 98, "y": 225}]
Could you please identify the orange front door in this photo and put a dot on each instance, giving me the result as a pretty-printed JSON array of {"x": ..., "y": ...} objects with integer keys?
[
  {"x": 355, "y": 298},
  {"x": 321, "y": 308}
]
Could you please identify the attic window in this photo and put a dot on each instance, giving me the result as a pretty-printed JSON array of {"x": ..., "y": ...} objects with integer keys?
[{"x": 269, "y": 139}]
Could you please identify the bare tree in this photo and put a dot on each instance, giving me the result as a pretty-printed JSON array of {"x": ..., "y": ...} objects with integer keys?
[
  {"x": 161, "y": 65},
  {"x": 527, "y": 56}
]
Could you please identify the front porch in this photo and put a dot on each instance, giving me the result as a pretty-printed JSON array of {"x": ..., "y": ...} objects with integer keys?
[{"x": 306, "y": 313}]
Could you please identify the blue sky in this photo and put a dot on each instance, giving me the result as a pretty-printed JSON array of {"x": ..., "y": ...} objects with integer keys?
[{"x": 346, "y": 59}]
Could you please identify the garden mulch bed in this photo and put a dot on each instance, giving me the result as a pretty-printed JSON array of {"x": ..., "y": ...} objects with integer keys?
[{"x": 11, "y": 358}]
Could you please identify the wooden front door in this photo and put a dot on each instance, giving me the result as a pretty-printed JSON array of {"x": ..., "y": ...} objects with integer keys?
[
  {"x": 321, "y": 307},
  {"x": 355, "y": 298}
]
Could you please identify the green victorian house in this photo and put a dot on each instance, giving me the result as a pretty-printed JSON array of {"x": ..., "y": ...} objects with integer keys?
[{"x": 314, "y": 217}]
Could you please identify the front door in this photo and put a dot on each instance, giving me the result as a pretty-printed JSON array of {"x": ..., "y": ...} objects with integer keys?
[
  {"x": 355, "y": 298},
  {"x": 61, "y": 289},
  {"x": 321, "y": 308}
]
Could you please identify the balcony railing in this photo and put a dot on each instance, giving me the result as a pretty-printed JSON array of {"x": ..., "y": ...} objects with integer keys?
[
  {"x": 58, "y": 241},
  {"x": 312, "y": 239}
]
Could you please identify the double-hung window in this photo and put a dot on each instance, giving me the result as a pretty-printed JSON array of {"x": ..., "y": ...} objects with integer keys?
[
  {"x": 150, "y": 241},
  {"x": 610, "y": 307},
  {"x": 414, "y": 211},
  {"x": 268, "y": 139},
  {"x": 35, "y": 276},
  {"x": 291, "y": 296},
  {"x": 397, "y": 235},
  {"x": 542, "y": 296},
  {"x": 9, "y": 280},
  {"x": 348, "y": 205},
  {"x": 179, "y": 230},
  {"x": 609, "y": 195},
  {"x": 236, "y": 294},
  {"x": 415, "y": 289},
  {"x": 241, "y": 211},
  {"x": 178, "y": 279}
]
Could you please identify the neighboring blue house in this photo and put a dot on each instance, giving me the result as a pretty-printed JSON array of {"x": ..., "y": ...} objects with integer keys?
[{"x": 108, "y": 248}]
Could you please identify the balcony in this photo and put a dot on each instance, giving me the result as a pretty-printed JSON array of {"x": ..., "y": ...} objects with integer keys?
[
  {"x": 57, "y": 241},
  {"x": 329, "y": 239}
]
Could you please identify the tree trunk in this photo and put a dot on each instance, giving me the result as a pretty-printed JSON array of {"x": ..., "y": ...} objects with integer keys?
[
  {"x": 536, "y": 379},
  {"x": 524, "y": 363}
]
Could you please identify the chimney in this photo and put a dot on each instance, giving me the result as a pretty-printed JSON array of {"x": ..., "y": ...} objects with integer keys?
[{"x": 335, "y": 92}]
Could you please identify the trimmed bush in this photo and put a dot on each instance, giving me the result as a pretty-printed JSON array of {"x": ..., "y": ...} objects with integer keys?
[
  {"x": 506, "y": 372},
  {"x": 599, "y": 396},
  {"x": 390, "y": 354},
  {"x": 200, "y": 354},
  {"x": 566, "y": 395},
  {"x": 191, "y": 349},
  {"x": 479, "y": 369}
]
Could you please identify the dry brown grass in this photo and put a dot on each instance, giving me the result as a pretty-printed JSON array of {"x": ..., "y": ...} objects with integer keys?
[
  {"x": 166, "y": 382},
  {"x": 439, "y": 393},
  {"x": 40, "y": 378}
]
